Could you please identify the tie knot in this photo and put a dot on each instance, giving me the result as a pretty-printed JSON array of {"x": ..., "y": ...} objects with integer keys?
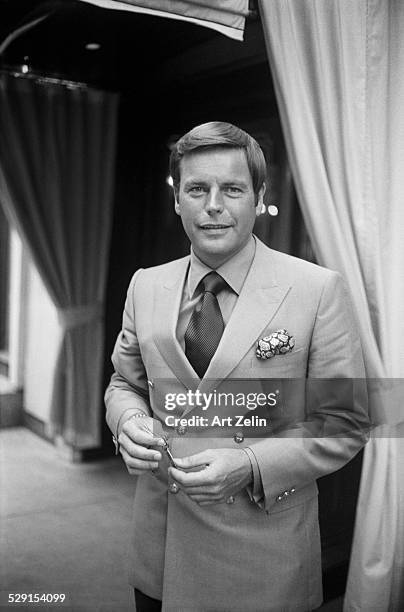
[{"x": 213, "y": 283}]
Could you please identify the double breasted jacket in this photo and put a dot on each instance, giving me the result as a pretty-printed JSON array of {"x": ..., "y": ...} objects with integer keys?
[{"x": 245, "y": 556}]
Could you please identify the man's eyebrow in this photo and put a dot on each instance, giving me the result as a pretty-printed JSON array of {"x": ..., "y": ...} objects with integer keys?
[
  {"x": 195, "y": 181},
  {"x": 203, "y": 183},
  {"x": 235, "y": 182}
]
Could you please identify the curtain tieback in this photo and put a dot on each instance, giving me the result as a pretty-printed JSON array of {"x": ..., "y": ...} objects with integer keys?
[{"x": 76, "y": 316}]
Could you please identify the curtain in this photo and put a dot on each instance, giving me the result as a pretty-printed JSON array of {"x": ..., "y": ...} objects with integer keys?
[
  {"x": 337, "y": 69},
  {"x": 225, "y": 16},
  {"x": 4, "y": 284},
  {"x": 57, "y": 153}
]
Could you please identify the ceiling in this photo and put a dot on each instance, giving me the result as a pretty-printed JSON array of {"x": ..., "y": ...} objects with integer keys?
[
  {"x": 132, "y": 46},
  {"x": 156, "y": 63}
]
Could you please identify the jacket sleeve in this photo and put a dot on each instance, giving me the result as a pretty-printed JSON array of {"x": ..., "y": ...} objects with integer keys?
[
  {"x": 127, "y": 392},
  {"x": 336, "y": 424}
]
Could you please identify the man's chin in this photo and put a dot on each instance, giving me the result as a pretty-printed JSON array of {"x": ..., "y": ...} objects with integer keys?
[{"x": 214, "y": 252}]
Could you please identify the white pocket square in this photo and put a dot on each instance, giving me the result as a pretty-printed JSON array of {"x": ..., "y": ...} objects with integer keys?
[{"x": 278, "y": 343}]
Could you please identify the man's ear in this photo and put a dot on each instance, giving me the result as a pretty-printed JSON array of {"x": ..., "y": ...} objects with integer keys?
[
  {"x": 176, "y": 205},
  {"x": 260, "y": 200}
]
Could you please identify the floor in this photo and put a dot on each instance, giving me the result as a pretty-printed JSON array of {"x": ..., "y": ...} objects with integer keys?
[{"x": 64, "y": 527}]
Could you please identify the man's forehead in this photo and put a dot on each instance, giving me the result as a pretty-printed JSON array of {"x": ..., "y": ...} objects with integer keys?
[{"x": 216, "y": 159}]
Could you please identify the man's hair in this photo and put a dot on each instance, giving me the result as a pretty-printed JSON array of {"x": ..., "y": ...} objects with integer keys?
[{"x": 220, "y": 134}]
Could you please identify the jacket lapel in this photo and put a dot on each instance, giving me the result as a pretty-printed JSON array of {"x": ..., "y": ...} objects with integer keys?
[
  {"x": 259, "y": 300},
  {"x": 167, "y": 300}
]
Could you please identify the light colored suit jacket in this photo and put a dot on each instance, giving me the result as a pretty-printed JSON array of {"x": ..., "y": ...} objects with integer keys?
[{"x": 242, "y": 556}]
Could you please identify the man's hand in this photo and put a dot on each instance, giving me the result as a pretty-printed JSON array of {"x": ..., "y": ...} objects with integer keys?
[
  {"x": 223, "y": 472},
  {"x": 135, "y": 438}
]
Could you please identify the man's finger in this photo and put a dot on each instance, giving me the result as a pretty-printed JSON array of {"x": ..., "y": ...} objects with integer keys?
[
  {"x": 141, "y": 433},
  {"x": 138, "y": 451},
  {"x": 132, "y": 463},
  {"x": 191, "y": 479},
  {"x": 198, "y": 460},
  {"x": 144, "y": 437}
]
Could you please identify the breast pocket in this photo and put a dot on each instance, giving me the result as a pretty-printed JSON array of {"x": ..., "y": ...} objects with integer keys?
[{"x": 290, "y": 365}]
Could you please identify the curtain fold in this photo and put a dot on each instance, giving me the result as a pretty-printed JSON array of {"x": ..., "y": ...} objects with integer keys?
[
  {"x": 225, "y": 16},
  {"x": 57, "y": 154},
  {"x": 337, "y": 69}
]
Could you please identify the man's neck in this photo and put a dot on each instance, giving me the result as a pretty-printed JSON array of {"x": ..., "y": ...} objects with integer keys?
[{"x": 214, "y": 263}]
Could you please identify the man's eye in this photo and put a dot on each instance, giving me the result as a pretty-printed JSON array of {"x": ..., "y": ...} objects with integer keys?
[
  {"x": 196, "y": 189},
  {"x": 234, "y": 190}
]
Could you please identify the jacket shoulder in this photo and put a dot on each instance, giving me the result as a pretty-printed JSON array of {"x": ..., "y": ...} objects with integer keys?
[
  {"x": 296, "y": 270},
  {"x": 161, "y": 273},
  {"x": 166, "y": 268}
]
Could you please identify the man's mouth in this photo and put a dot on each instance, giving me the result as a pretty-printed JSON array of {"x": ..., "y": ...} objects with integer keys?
[{"x": 214, "y": 226}]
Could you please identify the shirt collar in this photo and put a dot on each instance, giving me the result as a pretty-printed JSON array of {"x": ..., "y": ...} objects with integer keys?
[{"x": 234, "y": 271}]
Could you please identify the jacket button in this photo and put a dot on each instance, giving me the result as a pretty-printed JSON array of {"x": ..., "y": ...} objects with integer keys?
[
  {"x": 181, "y": 430},
  {"x": 173, "y": 488},
  {"x": 239, "y": 437},
  {"x": 279, "y": 498},
  {"x": 230, "y": 500},
  {"x": 292, "y": 490}
]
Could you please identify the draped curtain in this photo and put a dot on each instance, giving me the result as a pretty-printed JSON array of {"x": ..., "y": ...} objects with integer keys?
[
  {"x": 57, "y": 153},
  {"x": 225, "y": 16},
  {"x": 338, "y": 72}
]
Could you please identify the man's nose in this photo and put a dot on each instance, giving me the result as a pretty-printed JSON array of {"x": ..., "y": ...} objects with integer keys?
[{"x": 214, "y": 202}]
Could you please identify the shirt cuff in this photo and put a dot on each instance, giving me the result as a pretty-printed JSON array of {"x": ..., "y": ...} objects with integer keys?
[
  {"x": 255, "y": 490},
  {"x": 130, "y": 412}
]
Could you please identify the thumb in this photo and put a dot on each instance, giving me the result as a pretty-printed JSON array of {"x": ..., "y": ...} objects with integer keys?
[{"x": 199, "y": 459}]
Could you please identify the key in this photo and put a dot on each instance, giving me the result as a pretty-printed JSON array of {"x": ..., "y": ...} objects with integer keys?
[
  {"x": 170, "y": 456},
  {"x": 166, "y": 446}
]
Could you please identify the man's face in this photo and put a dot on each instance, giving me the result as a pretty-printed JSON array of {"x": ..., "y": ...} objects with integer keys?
[{"x": 216, "y": 203}]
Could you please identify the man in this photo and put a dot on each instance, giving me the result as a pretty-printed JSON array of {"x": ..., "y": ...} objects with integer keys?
[{"x": 231, "y": 523}]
